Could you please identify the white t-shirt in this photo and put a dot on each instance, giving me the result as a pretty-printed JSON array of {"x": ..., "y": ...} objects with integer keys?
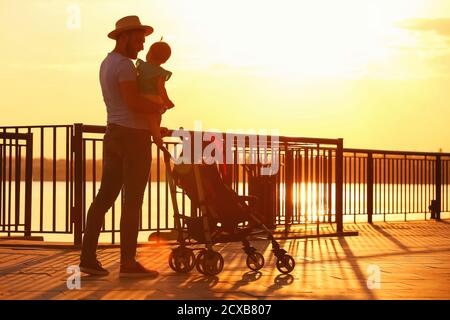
[{"x": 116, "y": 68}]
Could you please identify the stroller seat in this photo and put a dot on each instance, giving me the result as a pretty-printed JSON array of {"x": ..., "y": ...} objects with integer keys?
[{"x": 221, "y": 202}]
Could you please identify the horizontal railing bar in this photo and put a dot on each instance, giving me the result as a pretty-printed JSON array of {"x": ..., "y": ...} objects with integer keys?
[
  {"x": 15, "y": 136},
  {"x": 93, "y": 128},
  {"x": 393, "y": 152},
  {"x": 38, "y": 232},
  {"x": 92, "y": 139},
  {"x": 38, "y": 126},
  {"x": 102, "y": 129},
  {"x": 12, "y": 144},
  {"x": 309, "y": 140}
]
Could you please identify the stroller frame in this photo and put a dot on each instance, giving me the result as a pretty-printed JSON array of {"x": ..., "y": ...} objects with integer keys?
[{"x": 209, "y": 262}]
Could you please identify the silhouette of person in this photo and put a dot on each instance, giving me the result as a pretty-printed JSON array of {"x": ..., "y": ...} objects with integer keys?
[
  {"x": 151, "y": 80},
  {"x": 126, "y": 150}
]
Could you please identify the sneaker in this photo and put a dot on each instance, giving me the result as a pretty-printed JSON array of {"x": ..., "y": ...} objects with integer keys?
[
  {"x": 136, "y": 270},
  {"x": 93, "y": 267}
]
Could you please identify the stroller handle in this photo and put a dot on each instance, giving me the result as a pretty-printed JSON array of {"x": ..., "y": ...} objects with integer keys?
[{"x": 166, "y": 153}]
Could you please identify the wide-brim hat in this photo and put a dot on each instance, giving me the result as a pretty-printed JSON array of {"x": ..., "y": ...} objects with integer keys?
[{"x": 129, "y": 23}]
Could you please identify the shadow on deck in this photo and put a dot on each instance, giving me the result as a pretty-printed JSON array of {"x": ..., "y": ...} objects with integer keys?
[{"x": 396, "y": 260}]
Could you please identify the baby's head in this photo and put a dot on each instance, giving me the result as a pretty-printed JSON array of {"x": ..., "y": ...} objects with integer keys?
[{"x": 159, "y": 53}]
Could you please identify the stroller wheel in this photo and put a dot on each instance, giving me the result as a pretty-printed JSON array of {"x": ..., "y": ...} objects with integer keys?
[
  {"x": 209, "y": 262},
  {"x": 182, "y": 260},
  {"x": 255, "y": 261},
  {"x": 285, "y": 264}
]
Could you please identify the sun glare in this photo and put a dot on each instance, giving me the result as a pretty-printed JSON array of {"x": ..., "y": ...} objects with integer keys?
[{"x": 298, "y": 37}]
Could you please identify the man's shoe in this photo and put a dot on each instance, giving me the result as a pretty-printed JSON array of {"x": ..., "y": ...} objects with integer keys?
[
  {"x": 136, "y": 270},
  {"x": 93, "y": 267}
]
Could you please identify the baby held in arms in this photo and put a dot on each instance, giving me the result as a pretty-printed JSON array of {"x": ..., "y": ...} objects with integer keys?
[{"x": 151, "y": 80}]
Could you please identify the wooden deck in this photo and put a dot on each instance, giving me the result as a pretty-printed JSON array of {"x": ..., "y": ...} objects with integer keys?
[{"x": 413, "y": 260}]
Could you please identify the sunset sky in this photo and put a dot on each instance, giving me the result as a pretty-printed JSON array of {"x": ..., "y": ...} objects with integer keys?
[{"x": 374, "y": 72}]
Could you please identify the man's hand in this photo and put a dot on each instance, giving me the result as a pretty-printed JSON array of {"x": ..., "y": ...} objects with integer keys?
[{"x": 164, "y": 131}]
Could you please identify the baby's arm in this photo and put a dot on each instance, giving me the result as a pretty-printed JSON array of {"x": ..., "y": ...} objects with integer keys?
[
  {"x": 163, "y": 93},
  {"x": 154, "y": 98}
]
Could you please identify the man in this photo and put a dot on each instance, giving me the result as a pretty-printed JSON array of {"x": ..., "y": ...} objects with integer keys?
[{"x": 126, "y": 150}]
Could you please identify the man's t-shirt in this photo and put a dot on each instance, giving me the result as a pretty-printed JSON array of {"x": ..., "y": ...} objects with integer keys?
[{"x": 116, "y": 68}]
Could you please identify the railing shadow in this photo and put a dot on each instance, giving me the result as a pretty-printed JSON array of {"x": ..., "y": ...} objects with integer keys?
[
  {"x": 48, "y": 273},
  {"x": 352, "y": 260},
  {"x": 390, "y": 237}
]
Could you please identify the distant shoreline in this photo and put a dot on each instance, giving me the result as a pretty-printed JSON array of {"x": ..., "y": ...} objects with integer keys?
[{"x": 60, "y": 167}]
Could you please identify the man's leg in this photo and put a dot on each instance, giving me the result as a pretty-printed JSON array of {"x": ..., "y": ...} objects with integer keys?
[
  {"x": 110, "y": 187},
  {"x": 135, "y": 177}
]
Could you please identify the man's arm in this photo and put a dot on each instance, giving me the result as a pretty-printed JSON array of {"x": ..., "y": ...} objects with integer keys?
[{"x": 135, "y": 101}]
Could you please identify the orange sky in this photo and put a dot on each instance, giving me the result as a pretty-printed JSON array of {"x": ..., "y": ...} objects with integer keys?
[{"x": 374, "y": 72}]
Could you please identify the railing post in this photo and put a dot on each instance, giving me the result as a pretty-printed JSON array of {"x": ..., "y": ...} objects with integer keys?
[
  {"x": 77, "y": 219},
  {"x": 228, "y": 167},
  {"x": 28, "y": 183},
  {"x": 438, "y": 181},
  {"x": 369, "y": 187},
  {"x": 339, "y": 185},
  {"x": 289, "y": 184},
  {"x": 330, "y": 184},
  {"x": 17, "y": 178}
]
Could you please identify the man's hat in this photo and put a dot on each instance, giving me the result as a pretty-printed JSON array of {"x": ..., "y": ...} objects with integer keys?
[{"x": 129, "y": 23}]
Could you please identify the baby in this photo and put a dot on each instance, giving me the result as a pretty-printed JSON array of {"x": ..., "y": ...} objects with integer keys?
[{"x": 151, "y": 81}]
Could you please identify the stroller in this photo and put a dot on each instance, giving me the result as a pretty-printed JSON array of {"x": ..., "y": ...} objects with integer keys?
[{"x": 225, "y": 217}]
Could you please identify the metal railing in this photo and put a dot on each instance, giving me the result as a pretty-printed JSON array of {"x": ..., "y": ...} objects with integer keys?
[
  {"x": 15, "y": 209},
  {"x": 318, "y": 182},
  {"x": 51, "y": 176},
  {"x": 304, "y": 162},
  {"x": 383, "y": 183}
]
